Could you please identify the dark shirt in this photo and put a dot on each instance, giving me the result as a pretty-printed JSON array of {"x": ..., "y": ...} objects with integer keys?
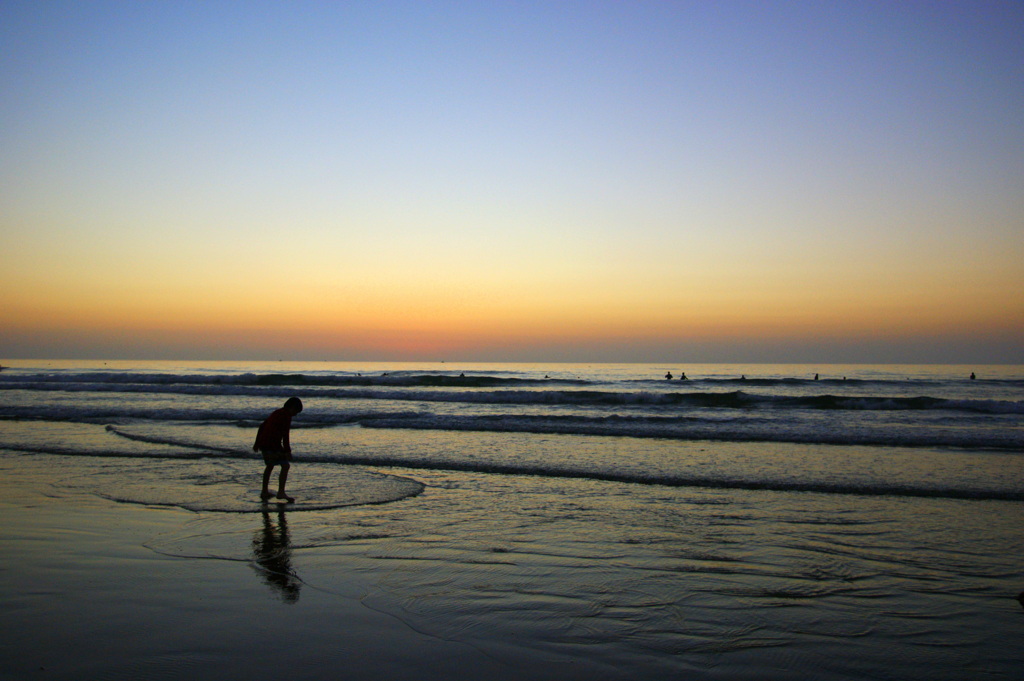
[{"x": 273, "y": 433}]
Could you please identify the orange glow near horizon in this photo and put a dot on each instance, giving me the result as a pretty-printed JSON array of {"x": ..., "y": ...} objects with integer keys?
[
  {"x": 397, "y": 323},
  {"x": 653, "y": 302}
]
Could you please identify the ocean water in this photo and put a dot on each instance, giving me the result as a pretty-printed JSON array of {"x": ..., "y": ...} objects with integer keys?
[{"x": 864, "y": 523}]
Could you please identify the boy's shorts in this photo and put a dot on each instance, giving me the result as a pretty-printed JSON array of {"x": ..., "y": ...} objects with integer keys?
[{"x": 272, "y": 456}]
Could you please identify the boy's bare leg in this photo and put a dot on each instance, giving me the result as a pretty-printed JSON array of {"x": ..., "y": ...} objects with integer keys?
[
  {"x": 265, "y": 494},
  {"x": 282, "y": 480}
]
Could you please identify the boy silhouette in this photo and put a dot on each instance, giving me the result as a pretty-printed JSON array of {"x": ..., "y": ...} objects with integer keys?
[{"x": 272, "y": 443}]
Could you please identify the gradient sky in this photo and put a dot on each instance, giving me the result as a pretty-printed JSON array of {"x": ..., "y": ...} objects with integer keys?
[{"x": 542, "y": 181}]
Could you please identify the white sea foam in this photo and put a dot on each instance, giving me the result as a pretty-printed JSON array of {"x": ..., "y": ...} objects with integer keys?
[{"x": 927, "y": 410}]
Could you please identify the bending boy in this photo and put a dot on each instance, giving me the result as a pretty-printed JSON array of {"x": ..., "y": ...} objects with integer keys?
[{"x": 272, "y": 443}]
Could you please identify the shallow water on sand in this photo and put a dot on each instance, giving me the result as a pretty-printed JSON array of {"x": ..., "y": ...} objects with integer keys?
[
  {"x": 655, "y": 580},
  {"x": 619, "y": 580}
]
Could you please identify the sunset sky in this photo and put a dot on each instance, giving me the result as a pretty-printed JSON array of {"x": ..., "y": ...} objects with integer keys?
[{"x": 542, "y": 181}]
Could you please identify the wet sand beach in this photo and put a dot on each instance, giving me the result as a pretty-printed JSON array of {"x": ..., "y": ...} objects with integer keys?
[
  {"x": 500, "y": 577},
  {"x": 85, "y": 592}
]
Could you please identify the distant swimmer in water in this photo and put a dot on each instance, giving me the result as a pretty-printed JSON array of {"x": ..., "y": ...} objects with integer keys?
[
  {"x": 682, "y": 376},
  {"x": 668, "y": 376},
  {"x": 815, "y": 377},
  {"x": 973, "y": 377},
  {"x": 743, "y": 377}
]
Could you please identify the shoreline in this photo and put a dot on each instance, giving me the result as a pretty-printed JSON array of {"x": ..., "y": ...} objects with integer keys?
[
  {"x": 493, "y": 576},
  {"x": 87, "y": 593}
]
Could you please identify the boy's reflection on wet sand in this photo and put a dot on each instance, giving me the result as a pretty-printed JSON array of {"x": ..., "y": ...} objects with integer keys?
[{"x": 272, "y": 553}]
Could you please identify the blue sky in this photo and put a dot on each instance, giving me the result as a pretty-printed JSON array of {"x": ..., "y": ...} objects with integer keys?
[{"x": 728, "y": 181}]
